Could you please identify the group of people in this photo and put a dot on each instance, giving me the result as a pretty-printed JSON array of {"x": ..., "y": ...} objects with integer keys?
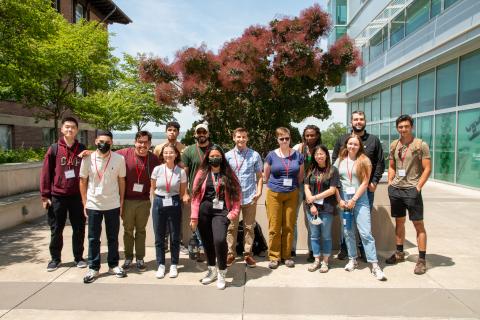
[{"x": 206, "y": 188}]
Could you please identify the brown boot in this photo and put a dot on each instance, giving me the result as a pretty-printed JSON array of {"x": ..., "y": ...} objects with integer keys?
[
  {"x": 251, "y": 263},
  {"x": 396, "y": 257},
  {"x": 230, "y": 259},
  {"x": 420, "y": 267}
]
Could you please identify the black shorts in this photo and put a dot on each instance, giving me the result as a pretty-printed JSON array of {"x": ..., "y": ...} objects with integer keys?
[{"x": 402, "y": 200}]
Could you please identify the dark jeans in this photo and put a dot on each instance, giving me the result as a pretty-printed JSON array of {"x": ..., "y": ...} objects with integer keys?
[
  {"x": 112, "y": 226},
  {"x": 57, "y": 217},
  {"x": 213, "y": 225},
  {"x": 164, "y": 217}
]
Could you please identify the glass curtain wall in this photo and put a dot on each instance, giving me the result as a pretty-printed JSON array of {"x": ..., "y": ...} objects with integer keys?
[
  {"x": 468, "y": 148},
  {"x": 444, "y": 147}
]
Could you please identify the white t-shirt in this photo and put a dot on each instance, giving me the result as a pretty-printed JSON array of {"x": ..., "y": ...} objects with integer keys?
[
  {"x": 103, "y": 192},
  {"x": 177, "y": 177}
]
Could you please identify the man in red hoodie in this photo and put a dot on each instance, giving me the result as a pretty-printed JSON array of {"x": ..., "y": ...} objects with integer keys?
[{"x": 59, "y": 188}]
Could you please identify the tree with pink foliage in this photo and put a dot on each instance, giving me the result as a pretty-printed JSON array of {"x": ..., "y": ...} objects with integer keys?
[{"x": 270, "y": 76}]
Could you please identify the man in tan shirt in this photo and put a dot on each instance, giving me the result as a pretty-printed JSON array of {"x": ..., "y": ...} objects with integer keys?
[
  {"x": 173, "y": 130},
  {"x": 408, "y": 172}
]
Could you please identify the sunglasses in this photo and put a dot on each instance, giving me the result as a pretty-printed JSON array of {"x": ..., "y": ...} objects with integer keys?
[{"x": 284, "y": 139}]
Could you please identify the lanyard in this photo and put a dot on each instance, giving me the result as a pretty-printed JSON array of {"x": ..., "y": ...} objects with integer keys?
[
  {"x": 285, "y": 164},
  {"x": 402, "y": 155},
  {"x": 169, "y": 183},
  {"x": 319, "y": 182},
  {"x": 241, "y": 164},
  {"x": 350, "y": 173},
  {"x": 216, "y": 184},
  {"x": 140, "y": 171},
  {"x": 70, "y": 159},
  {"x": 200, "y": 157},
  {"x": 104, "y": 168}
]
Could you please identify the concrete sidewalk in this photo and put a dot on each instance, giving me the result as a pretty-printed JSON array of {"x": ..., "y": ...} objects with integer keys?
[{"x": 449, "y": 289}]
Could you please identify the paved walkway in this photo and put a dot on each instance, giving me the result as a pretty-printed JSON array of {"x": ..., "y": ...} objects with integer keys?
[{"x": 450, "y": 289}]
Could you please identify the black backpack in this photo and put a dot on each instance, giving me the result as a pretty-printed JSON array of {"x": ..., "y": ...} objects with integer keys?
[{"x": 259, "y": 244}]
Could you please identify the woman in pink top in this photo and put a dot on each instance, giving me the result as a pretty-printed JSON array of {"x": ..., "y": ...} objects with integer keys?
[{"x": 216, "y": 199}]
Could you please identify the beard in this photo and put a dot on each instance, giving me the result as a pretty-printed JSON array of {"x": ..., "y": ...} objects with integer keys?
[
  {"x": 201, "y": 139},
  {"x": 358, "y": 128}
]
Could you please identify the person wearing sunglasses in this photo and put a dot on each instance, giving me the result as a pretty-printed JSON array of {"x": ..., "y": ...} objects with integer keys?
[
  {"x": 283, "y": 170},
  {"x": 216, "y": 200}
]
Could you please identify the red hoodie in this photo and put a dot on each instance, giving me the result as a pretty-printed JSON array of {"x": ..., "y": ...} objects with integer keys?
[{"x": 52, "y": 178}]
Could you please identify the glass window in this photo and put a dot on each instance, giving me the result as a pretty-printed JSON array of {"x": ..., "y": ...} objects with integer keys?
[
  {"x": 385, "y": 38},
  {"x": 417, "y": 15},
  {"x": 340, "y": 32},
  {"x": 397, "y": 29},
  {"x": 426, "y": 89},
  {"x": 341, "y": 10},
  {"x": 365, "y": 55},
  {"x": 360, "y": 105},
  {"x": 56, "y": 5},
  {"x": 448, "y": 3},
  {"x": 376, "y": 45},
  {"x": 376, "y": 107},
  {"x": 424, "y": 129},
  {"x": 469, "y": 78},
  {"x": 468, "y": 148},
  {"x": 368, "y": 127},
  {"x": 385, "y": 104},
  {"x": 393, "y": 132},
  {"x": 5, "y": 137},
  {"x": 396, "y": 109},
  {"x": 385, "y": 141},
  {"x": 435, "y": 8},
  {"x": 409, "y": 96},
  {"x": 368, "y": 108},
  {"x": 48, "y": 136},
  {"x": 444, "y": 149},
  {"x": 374, "y": 129},
  {"x": 83, "y": 137},
  {"x": 79, "y": 12},
  {"x": 446, "y": 85},
  {"x": 350, "y": 107}
]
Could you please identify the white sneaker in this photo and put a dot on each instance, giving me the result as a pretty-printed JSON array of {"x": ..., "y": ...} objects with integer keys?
[
  {"x": 210, "y": 276},
  {"x": 90, "y": 276},
  {"x": 351, "y": 265},
  {"x": 221, "y": 279},
  {"x": 117, "y": 272},
  {"x": 378, "y": 273},
  {"x": 160, "y": 271},
  {"x": 173, "y": 271}
]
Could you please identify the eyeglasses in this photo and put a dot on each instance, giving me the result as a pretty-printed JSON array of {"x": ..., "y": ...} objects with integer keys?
[{"x": 284, "y": 139}]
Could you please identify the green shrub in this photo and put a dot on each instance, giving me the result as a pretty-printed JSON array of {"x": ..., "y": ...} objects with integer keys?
[{"x": 22, "y": 155}]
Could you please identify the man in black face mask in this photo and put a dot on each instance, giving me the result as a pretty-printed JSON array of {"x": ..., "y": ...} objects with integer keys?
[
  {"x": 102, "y": 186},
  {"x": 192, "y": 157},
  {"x": 374, "y": 151}
]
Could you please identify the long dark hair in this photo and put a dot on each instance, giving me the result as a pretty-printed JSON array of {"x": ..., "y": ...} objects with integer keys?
[
  {"x": 229, "y": 179},
  {"x": 325, "y": 173}
]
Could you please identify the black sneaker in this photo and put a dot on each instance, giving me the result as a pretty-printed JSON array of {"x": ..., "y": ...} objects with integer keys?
[
  {"x": 53, "y": 265},
  {"x": 343, "y": 254},
  {"x": 293, "y": 253},
  {"x": 310, "y": 257}
]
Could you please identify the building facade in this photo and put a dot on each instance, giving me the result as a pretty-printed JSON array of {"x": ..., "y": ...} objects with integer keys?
[
  {"x": 422, "y": 58},
  {"x": 18, "y": 126}
]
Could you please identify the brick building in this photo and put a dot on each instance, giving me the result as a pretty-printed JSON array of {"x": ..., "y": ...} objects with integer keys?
[{"x": 18, "y": 126}]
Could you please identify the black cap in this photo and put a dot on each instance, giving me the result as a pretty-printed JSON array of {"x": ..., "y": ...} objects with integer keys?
[
  {"x": 174, "y": 124},
  {"x": 104, "y": 133}
]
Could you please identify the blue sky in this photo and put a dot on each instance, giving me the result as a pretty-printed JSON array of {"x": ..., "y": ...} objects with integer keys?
[{"x": 161, "y": 27}]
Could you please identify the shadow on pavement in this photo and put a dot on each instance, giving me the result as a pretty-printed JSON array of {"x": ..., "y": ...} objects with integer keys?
[{"x": 434, "y": 260}]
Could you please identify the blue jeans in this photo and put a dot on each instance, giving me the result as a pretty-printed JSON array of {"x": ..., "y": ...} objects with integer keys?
[
  {"x": 321, "y": 232},
  {"x": 362, "y": 217},
  {"x": 162, "y": 217},
  {"x": 112, "y": 226}
]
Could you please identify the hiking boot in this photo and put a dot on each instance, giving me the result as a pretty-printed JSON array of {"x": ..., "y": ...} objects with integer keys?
[
  {"x": 396, "y": 257},
  {"x": 420, "y": 267},
  {"x": 81, "y": 264},
  {"x": 210, "y": 276},
  {"x": 141, "y": 265},
  {"x": 53, "y": 265},
  {"x": 90, "y": 276},
  {"x": 310, "y": 257},
  {"x": 230, "y": 259},
  {"x": 351, "y": 265},
  {"x": 117, "y": 272},
  {"x": 314, "y": 266},
  {"x": 221, "y": 284},
  {"x": 290, "y": 263},
  {"x": 378, "y": 274},
  {"x": 324, "y": 267},
  {"x": 173, "y": 271},
  {"x": 273, "y": 264},
  {"x": 160, "y": 274},
  {"x": 127, "y": 264},
  {"x": 250, "y": 262}
]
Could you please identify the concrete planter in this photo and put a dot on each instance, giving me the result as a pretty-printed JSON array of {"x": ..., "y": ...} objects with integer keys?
[{"x": 17, "y": 178}]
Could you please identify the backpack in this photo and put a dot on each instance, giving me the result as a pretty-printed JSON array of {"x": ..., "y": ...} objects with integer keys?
[{"x": 259, "y": 245}]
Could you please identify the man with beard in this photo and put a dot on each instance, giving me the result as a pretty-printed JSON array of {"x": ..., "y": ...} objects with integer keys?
[
  {"x": 136, "y": 207},
  {"x": 374, "y": 151},
  {"x": 192, "y": 157}
]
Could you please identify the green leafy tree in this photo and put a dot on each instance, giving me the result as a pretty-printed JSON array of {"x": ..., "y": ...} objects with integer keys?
[{"x": 331, "y": 134}]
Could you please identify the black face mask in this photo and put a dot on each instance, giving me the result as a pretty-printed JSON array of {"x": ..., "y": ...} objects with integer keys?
[
  {"x": 103, "y": 147},
  {"x": 215, "y": 162}
]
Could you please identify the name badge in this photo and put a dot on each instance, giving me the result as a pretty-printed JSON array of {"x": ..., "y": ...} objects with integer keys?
[
  {"x": 167, "y": 202},
  {"x": 137, "y": 187},
  {"x": 98, "y": 190},
  {"x": 217, "y": 204},
  {"x": 351, "y": 190},
  {"x": 287, "y": 182},
  {"x": 320, "y": 201},
  {"x": 69, "y": 174},
  {"x": 402, "y": 172}
]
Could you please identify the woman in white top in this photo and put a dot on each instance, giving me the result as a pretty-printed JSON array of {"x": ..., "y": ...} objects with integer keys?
[
  {"x": 354, "y": 168},
  {"x": 168, "y": 186}
]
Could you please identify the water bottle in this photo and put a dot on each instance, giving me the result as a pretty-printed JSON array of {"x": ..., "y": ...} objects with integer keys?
[
  {"x": 347, "y": 219},
  {"x": 193, "y": 247}
]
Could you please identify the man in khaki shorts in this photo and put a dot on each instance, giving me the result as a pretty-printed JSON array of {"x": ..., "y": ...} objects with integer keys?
[{"x": 247, "y": 165}]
